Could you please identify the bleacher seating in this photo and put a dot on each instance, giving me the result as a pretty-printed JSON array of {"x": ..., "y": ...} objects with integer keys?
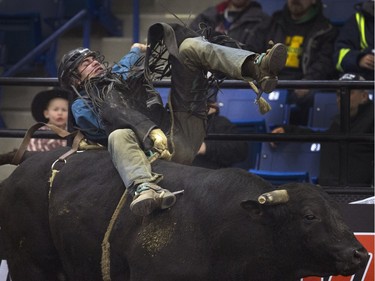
[
  {"x": 164, "y": 93},
  {"x": 324, "y": 109},
  {"x": 254, "y": 148},
  {"x": 279, "y": 114},
  {"x": 19, "y": 34},
  {"x": 279, "y": 178},
  {"x": 98, "y": 9},
  {"x": 238, "y": 106},
  {"x": 291, "y": 157}
]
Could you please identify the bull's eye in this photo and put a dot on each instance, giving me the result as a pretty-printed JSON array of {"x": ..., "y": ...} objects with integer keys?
[{"x": 310, "y": 217}]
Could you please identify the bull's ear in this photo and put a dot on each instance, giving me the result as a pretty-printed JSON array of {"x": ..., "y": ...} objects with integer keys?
[{"x": 253, "y": 208}]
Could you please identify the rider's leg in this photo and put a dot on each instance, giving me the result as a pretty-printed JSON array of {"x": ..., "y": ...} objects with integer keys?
[
  {"x": 188, "y": 104},
  {"x": 235, "y": 63},
  {"x": 135, "y": 171}
]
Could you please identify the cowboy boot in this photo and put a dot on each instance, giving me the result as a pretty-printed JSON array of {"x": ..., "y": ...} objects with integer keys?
[
  {"x": 149, "y": 197},
  {"x": 264, "y": 68}
]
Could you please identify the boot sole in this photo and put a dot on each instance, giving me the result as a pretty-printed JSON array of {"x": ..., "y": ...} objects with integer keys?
[
  {"x": 278, "y": 55},
  {"x": 143, "y": 207},
  {"x": 269, "y": 84},
  {"x": 276, "y": 63}
]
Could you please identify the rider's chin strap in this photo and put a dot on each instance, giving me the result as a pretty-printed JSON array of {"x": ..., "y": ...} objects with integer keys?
[{"x": 78, "y": 136}]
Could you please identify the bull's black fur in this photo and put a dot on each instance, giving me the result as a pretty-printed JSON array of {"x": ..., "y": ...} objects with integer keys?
[{"x": 216, "y": 231}]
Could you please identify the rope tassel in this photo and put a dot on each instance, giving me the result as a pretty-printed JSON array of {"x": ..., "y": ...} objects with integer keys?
[{"x": 263, "y": 105}]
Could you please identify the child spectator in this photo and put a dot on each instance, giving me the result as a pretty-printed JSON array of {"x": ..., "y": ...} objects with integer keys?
[{"x": 49, "y": 107}]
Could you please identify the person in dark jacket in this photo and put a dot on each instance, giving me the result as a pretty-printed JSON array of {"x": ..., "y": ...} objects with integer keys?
[
  {"x": 360, "y": 155},
  {"x": 215, "y": 154},
  {"x": 310, "y": 38},
  {"x": 235, "y": 18},
  {"x": 354, "y": 47},
  {"x": 120, "y": 105}
]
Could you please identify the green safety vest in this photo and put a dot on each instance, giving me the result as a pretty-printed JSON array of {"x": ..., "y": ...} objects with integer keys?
[{"x": 361, "y": 27}]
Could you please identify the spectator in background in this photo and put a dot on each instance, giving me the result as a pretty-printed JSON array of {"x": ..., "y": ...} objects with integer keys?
[
  {"x": 219, "y": 154},
  {"x": 49, "y": 107},
  {"x": 360, "y": 155},
  {"x": 354, "y": 47},
  {"x": 235, "y": 18},
  {"x": 310, "y": 38}
]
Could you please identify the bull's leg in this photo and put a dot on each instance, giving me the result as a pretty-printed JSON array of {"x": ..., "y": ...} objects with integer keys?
[{"x": 235, "y": 63}]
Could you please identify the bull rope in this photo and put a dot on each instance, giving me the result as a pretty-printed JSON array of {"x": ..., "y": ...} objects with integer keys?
[{"x": 106, "y": 247}]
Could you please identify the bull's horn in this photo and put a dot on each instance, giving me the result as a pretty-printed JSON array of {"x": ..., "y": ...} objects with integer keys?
[{"x": 274, "y": 197}]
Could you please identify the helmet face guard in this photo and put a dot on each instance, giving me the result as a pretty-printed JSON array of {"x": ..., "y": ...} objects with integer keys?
[{"x": 67, "y": 71}]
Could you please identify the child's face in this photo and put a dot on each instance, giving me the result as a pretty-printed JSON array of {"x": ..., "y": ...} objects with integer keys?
[{"x": 57, "y": 112}]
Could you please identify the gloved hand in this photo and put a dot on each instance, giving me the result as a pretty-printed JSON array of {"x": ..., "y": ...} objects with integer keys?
[{"x": 160, "y": 143}]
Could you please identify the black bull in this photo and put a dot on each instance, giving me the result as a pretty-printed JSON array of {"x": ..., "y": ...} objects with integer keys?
[{"x": 216, "y": 231}]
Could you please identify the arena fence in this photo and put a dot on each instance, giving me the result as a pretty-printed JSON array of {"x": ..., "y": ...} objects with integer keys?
[{"x": 344, "y": 137}]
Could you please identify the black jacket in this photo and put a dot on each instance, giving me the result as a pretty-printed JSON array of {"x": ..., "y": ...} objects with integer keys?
[
  {"x": 315, "y": 62},
  {"x": 242, "y": 29},
  {"x": 361, "y": 156},
  {"x": 125, "y": 106},
  {"x": 221, "y": 154}
]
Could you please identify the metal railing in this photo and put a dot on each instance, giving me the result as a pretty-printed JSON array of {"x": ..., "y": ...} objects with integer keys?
[{"x": 343, "y": 137}]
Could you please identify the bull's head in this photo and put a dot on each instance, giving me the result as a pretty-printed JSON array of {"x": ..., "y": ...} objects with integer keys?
[{"x": 305, "y": 213}]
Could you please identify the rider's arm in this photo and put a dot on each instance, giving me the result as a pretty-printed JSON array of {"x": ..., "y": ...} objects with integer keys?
[
  {"x": 126, "y": 63},
  {"x": 87, "y": 121}
]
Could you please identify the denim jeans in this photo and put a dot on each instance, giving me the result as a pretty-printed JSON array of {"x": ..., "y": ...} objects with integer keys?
[
  {"x": 198, "y": 53},
  {"x": 129, "y": 159}
]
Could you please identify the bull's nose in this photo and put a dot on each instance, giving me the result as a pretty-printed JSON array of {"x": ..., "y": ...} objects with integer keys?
[
  {"x": 360, "y": 256},
  {"x": 356, "y": 260}
]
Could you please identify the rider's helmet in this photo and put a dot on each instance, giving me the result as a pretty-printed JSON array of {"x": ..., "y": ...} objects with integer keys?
[{"x": 67, "y": 71}]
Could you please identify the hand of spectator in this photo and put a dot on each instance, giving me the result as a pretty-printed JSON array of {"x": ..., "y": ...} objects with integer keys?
[
  {"x": 367, "y": 61},
  {"x": 160, "y": 143},
  {"x": 278, "y": 130},
  {"x": 300, "y": 93},
  {"x": 142, "y": 47},
  {"x": 202, "y": 149}
]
